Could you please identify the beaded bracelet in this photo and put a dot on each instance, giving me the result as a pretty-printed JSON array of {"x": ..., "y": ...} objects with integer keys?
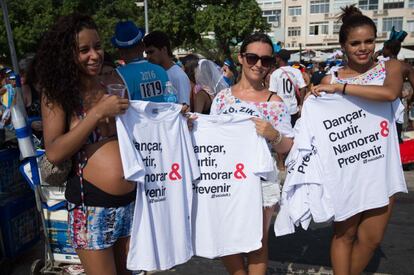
[{"x": 277, "y": 140}]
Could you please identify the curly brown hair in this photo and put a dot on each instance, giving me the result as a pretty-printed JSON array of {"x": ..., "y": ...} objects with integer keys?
[{"x": 57, "y": 69}]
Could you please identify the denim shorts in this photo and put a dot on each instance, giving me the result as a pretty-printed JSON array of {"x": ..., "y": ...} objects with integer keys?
[{"x": 97, "y": 228}]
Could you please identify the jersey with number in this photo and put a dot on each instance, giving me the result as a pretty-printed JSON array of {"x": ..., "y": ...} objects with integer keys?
[
  {"x": 144, "y": 80},
  {"x": 283, "y": 82},
  {"x": 227, "y": 204},
  {"x": 357, "y": 143},
  {"x": 157, "y": 135}
]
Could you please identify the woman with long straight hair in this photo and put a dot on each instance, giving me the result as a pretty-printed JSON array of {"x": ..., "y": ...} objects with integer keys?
[{"x": 273, "y": 123}]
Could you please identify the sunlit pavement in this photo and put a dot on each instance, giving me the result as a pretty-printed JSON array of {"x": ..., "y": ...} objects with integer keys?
[{"x": 306, "y": 252}]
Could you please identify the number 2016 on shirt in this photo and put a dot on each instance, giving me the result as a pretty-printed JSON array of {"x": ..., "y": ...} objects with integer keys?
[{"x": 151, "y": 89}]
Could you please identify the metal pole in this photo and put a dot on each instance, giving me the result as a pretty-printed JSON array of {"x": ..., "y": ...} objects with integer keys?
[
  {"x": 146, "y": 16},
  {"x": 13, "y": 54},
  {"x": 18, "y": 112}
]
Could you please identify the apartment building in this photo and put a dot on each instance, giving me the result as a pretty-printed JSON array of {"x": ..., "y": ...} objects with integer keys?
[
  {"x": 273, "y": 11},
  {"x": 312, "y": 24}
]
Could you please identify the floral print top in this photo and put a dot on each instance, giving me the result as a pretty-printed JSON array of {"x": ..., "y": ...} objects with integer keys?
[
  {"x": 274, "y": 112},
  {"x": 374, "y": 76}
]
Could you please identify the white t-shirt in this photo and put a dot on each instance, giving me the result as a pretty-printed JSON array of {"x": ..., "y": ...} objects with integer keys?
[
  {"x": 304, "y": 196},
  {"x": 358, "y": 148},
  {"x": 227, "y": 204},
  {"x": 156, "y": 134},
  {"x": 281, "y": 84},
  {"x": 181, "y": 83}
]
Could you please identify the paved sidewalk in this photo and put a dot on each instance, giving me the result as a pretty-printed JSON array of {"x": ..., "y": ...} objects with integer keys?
[
  {"x": 306, "y": 252},
  {"x": 202, "y": 266}
]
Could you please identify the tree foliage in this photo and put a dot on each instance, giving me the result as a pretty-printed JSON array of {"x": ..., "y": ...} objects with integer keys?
[
  {"x": 185, "y": 21},
  {"x": 231, "y": 21},
  {"x": 177, "y": 19},
  {"x": 30, "y": 19}
]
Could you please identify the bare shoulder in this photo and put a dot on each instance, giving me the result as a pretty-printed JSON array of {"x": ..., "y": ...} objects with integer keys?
[
  {"x": 394, "y": 64},
  {"x": 326, "y": 79},
  {"x": 275, "y": 97}
]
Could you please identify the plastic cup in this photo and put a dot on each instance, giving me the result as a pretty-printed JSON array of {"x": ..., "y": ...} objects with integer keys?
[{"x": 116, "y": 89}]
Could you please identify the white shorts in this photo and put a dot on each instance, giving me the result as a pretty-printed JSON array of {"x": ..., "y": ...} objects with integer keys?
[{"x": 270, "y": 192}]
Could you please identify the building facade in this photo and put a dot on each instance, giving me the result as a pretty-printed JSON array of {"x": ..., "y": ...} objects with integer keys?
[
  {"x": 273, "y": 11},
  {"x": 312, "y": 24}
]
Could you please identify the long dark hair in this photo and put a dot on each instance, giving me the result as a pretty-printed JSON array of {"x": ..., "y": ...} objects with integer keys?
[
  {"x": 256, "y": 37},
  {"x": 352, "y": 17},
  {"x": 190, "y": 64},
  {"x": 57, "y": 70}
]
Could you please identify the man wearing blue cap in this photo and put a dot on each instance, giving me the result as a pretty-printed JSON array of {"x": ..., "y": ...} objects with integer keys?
[{"x": 144, "y": 80}]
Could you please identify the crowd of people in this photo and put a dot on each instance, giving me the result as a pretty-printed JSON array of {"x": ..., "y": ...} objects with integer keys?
[{"x": 66, "y": 81}]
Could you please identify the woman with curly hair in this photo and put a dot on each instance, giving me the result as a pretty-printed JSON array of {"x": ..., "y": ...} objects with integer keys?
[{"x": 78, "y": 122}]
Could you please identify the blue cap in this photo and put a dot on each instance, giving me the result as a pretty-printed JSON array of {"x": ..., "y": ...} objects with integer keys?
[
  {"x": 277, "y": 47},
  {"x": 127, "y": 35},
  {"x": 229, "y": 63}
]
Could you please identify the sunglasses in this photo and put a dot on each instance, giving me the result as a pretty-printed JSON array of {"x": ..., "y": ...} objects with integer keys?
[{"x": 252, "y": 59}]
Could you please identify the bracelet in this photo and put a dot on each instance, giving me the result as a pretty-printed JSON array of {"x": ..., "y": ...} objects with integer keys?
[
  {"x": 277, "y": 140},
  {"x": 343, "y": 89}
]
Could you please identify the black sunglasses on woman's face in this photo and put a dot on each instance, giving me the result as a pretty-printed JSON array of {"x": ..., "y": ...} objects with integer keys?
[{"x": 252, "y": 59}]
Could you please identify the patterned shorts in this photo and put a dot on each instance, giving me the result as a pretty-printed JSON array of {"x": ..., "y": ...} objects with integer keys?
[{"x": 99, "y": 227}]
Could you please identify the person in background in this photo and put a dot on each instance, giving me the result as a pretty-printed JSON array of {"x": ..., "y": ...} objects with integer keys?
[
  {"x": 158, "y": 50},
  {"x": 266, "y": 80},
  {"x": 319, "y": 74},
  {"x": 144, "y": 80},
  {"x": 229, "y": 71},
  {"x": 108, "y": 65},
  {"x": 206, "y": 81},
  {"x": 407, "y": 100},
  {"x": 288, "y": 83},
  {"x": 30, "y": 91},
  {"x": 79, "y": 125},
  {"x": 391, "y": 50}
]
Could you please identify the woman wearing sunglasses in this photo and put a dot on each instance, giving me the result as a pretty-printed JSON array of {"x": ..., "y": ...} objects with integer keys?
[{"x": 272, "y": 122}]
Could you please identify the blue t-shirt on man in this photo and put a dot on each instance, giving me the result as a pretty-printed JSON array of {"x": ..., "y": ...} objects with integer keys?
[{"x": 144, "y": 80}]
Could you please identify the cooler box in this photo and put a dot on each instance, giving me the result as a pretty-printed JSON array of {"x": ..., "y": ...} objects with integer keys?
[
  {"x": 19, "y": 222},
  {"x": 407, "y": 151},
  {"x": 57, "y": 229},
  {"x": 10, "y": 178}
]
